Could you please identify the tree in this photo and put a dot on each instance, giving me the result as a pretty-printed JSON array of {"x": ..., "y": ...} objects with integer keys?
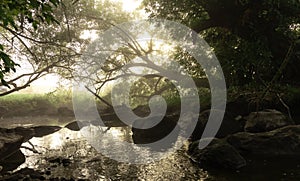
[
  {"x": 48, "y": 46},
  {"x": 141, "y": 61},
  {"x": 15, "y": 16},
  {"x": 250, "y": 38}
]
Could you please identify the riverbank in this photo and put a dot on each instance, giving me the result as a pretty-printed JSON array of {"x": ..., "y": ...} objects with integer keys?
[{"x": 252, "y": 145}]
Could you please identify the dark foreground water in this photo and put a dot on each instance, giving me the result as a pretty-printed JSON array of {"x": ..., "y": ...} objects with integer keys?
[{"x": 66, "y": 154}]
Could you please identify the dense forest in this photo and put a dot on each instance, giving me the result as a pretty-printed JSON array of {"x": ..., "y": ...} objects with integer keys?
[{"x": 221, "y": 74}]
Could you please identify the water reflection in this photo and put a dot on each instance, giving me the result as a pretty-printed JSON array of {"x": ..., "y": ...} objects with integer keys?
[{"x": 67, "y": 154}]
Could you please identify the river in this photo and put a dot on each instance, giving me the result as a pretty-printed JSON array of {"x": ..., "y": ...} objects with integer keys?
[{"x": 67, "y": 154}]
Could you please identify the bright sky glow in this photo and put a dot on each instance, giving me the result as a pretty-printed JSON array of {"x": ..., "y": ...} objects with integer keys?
[
  {"x": 129, "y": 5},
  {"x": 86, "y": 34},
  {"x": 115, "y": 132},
  {"x": 49, "y": 83}
]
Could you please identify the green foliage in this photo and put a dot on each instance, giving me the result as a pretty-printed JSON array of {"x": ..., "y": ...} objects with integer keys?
[
  {"x": 17, "y": 15},
  {"x": 60, "y": 97},
  {"x": 173, "y": 99},
  {"x": 35, "y": 37},
  {"x": 34, "y": 104},
  {"x": 189, "y": 63},
  {"x": 25, "y": 105},
  {"x": 242, "y": 61},
  {"x": 292, "y": 95},
  {"x": 250, "y": 38},
  {"x": 6, "y": 65},
  {"x": 34, "y": 12}
]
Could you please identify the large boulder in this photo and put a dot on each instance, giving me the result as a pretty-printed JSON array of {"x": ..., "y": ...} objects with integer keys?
[
  {"x": 217, "y": 154},
  {"x": 280, "y": 142},
  {"x": 230, "y": 125},
  {"x": 266, "y": 120}
]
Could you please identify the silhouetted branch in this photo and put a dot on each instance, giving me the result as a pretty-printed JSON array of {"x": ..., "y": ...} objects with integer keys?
[{"x": 100, "y": 98}]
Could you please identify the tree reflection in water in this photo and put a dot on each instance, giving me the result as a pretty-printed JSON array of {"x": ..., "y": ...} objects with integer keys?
[{"x": 67, "y": 154}]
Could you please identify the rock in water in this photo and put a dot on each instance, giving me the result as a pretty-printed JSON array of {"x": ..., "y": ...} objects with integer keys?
[
  {"x": 280, "y": 142},
  {"x": 27, "y": 133},
  {"x": 73, "y": 126},
  {"x": 266, "y": 120},
  {"x": 156, "y": 133},
  {"x": 218, "y": 154},
  {"x": 40, "y": 131},
  {"x": 229, "y": 125}
]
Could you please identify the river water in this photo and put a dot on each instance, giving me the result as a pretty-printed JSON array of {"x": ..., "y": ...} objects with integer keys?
[
  {"x": 86, "y": 163},
  {"x": 67, "y": 154}
]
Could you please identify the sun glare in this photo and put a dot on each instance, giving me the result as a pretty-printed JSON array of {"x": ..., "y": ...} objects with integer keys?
[
  {"x": 129, "y": 5},
  {"x": 115, "y": 132},
  {"x": 50, "y": 82}
]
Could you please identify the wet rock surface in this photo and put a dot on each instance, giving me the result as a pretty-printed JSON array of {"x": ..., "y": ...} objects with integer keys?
[
  {"x": 266, "y": 120},
  {"x": 40, "y": 131},
  {"x": 155, "y": 133},
  {"x": 218, "y": 154},
  {"x": 231, "y": 124},
  {"x": 73, "y": 126},
  {"x": 280, "y": 142},
  {"x": 78, "y": 125},
  {"x": 142, "y": 111},
  {"x": 273, "y": 135}
]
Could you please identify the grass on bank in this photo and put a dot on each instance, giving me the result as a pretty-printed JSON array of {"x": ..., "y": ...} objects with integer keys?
[
  {"x": 33, "y": 104},
  {"x": 47, "y": 104}
]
